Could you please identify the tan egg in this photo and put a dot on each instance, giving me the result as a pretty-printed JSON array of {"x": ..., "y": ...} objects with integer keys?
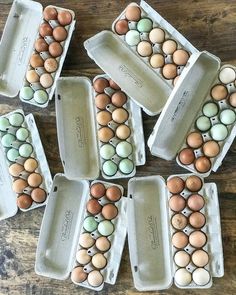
[
  {"x": 64, "y": 17},
  {"x": 169, "y": 47},
  {"x": 55, "y": 49},
  {"x": 103, "y": 244},
  {"x": 82, "y": 257},
  {"x": 19, "y": 185},
  {"x": 133, "y": 13},
  {"x": 177, "y": 203},
  {"x": 36, "y": 61},
  {"x": 202, "y": 164},
  {"x": 16, "y": 169},
  {"x": 157, "y": 61},
  {"x": 59, "y": 34},
  {"x": 180, "y": 240},
  {"x": 103, "y": 118},
  {"x": 100, "y": 84},
  {"x": 50, "y": 13},
  {"x": 41, "y": 45},
  {"x": 24, "y": 201},
  {"x": 86, "y": 241},
  {"x": 197, "y": 239},
  {"x": 99, "y": 261},
  {"x": 102, "y": 100},
  {"x": 50, "y": 65},
  {"x": 194, "y": 140},
  {"x": 78, "y": 275},
  {"x": 169, "y": 71},
  {"x": 123, "y": 131},
  {"x": 30, "y": 165},
  {"x": 45, "y": 30},
  {"x": 175, "y": 185},
  {"x": 35, "y": 179},
  {"x": 195, "y": 202},
  {"x": 120, "y": 115},
  {"x": 232, "y": 99},
  {"x": 176, "y": 79},
  {"x": 144, "y": 48},
  {"x": 211, "y": 149},
  {"x": 179, "y": 221},
  {"x": 182, "y": 258},
  {"x": 197, "y": 220},
  {"x": 200, "y": 258},
  {"x": 180, "y": 57},
  {"x": 119, "y": 98},
  {"x": 193, "y": 183},
  {"x": 46, "y": 80},
  {"x": 157, "y": 35},
  {"x": 219, "y": 92},
  {"x": 105, "y": 134},
  {"x": 95, "y": 278}
]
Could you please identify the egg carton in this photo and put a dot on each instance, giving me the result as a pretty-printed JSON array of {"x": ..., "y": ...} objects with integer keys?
[
  {"x": 131, "y": 72},
  {"x": 76, "y": 126},
  {"x": 184, "y": 107},
  {"x": 22, "y": 25},
  {"x": 8, "y": 204},
  {"x": 62, "y": 225},
  {"x": 136, "y": 138},
  {"x": 149, "y": 233}
]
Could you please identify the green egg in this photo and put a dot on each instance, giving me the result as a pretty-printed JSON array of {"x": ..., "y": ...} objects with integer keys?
[
  {"x": 7, "y": 140},
  {"x": 105, "y": 228},
  {"x": 227, "y": 117},
  {"x": 16, "y": 119},
  {"x": 4, "y": 124},
  {"x": 219, "y": 132},
  {"x": 126, "y": 166},
  {"x": 203, "y": 123},
  {"x": 12, "y": 155},
  {"x": 210, "y": 109},
  {"x": 132, "y": 38},
  {"x": 90, "y": 224},
  {"x": 144, "y": 25},
  {"x": 22, "y": 134},
  {"x": 41, "y": 96},
  {"x": 124, "y": 149},
  {"x": 109, "y": 168},
  {"x": 25, "y": 150},
  {"x": 26, "y": 93},
  {"x": 107, "y": 151}
]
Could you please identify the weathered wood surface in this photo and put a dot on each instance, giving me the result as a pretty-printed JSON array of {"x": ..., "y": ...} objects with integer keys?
[{"x": 209, "y": 25}]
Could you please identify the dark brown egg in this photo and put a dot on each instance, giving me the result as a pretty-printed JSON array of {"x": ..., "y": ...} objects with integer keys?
[
  {"x": 24, "y": 201},
  {"x": 193, "y": 183},
  {"x": 102, "y": 100},
  {"x": 93, "y": 206},
  {"x": 175, "y": 185},
  {"x": 100, "y": 84},
  {"x": 177, "y": 203},
  {"x": 55, "y": 49},
  {"x": 41, "y": 45},
  {"x": 109, "y": 211},
  {"x": 38, "y": 195},
  {"x": 113, "y": 193},
  {"x": 45, "y": 30},
  {"x": 194, "y": 140},
  {"x": 186, "y": 156},
  {"x": 50, "y": 13},
  {"x": 97, "y": 190},
  {"x": 59, "y": 34},
  {"x": 64, "y": 17},
  {"x": 119, "y": 98},
  {"x": 202, "y": 164},
  {"x": 121, "y": 27}
]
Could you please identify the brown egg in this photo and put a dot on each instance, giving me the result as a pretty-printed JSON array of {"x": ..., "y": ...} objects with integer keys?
[
  {"x": 32, "y": 76},
  {"x": 15, "y": 169},
  {"x": 24, "y": 201},
  {"x": 55, "y": 49},
  {"x": 176, "y": 79},
  {"x": 180, "y": 57},
  {"x": 169, "y": 47},
  {"x": 78, "y": 275},
  {"x": 186, "y": 156},
  {"x": 157, "y": 61},
  {"x": 219, "y": 92},
  {"x": 99, "y": 261},
  {"x": 194, "y": 140},
  {"x": 49, "y": 13},
  {"x": 93, "y": 206},
  {"x": 197, "y": 220},
  {"x": 195, "y": 202},
  {"x": 197, "y": 239},
  {"x": 200, "y": 258},
  {"x": 36, "y": 61},
  {"x": 175, "y": 185},
  {"x": 38, "y": 195},
  {"x": 169, "y": 71},
  {"x": 102, "y": 100},
  {"x": 144, "y": 48},
  {"x": 113, "y": 193},
  {"x": 121, "y": 27},
  {"x": 50, "y": 65},
  {"x": 232, "y": 100},
  {"x": 35, "y": 179},
  {"x": 86, "y": 241},
  {"x": 59, "y": 34},
  {"x": 120, "y": 115},
  {"x": 109, "y": 211},
  {"x": 82, "y": 257},
  {"x": 45, "y": 30},
  {"x": 100, "y": 84},
  {"x": 177, "y": 203},
  {"x": 97, "y": 190},
  {"x": 95, "y": 278},
  {"x": 119, "y": 98},
  {"x": 211, "y": 149},
  {"x": 41, "y": 45},
  {"x": 19, "y": 185},
  {"x": 103, "y": 118},
  {"x": 103, "y": 244},
  {"x": 64, "y": 17},
  {"x": 193, "y": 183},
  {"x": 123, "y": 131},
  {"x": 105, "y": 134},
  {"x": 179, "y": 221},
  {"x": 180, "y": 240},
  {"x": 202, "y": 164},
  {"x": 113, "y": 85},
  {"x": 133, "y": 13},
  {"x": 30, "y": 165},
  {"x": 46, "y": 80}
]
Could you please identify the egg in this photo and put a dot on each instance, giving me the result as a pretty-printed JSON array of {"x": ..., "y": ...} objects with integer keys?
[
  {"x": 64, "y": 17},
  {"x": 86, "y": 241},
  {"x": 133, "y": 13},
  {"x": 219, "y": 132},
  {"x": 93, "y": 206},
  {"x": 16, "y": 119},
  {"x": 227, "y": 75},
  {"x": 7, "y": 140},
  {"x": 176, "y": 79},
  {"x": 4, "y": 124},
  {"x": 120, "y": 115},
  {"x": 157, "y": 61},
  {"x": 55, "y": 49},
  {"x": 197, "y": 219},
  {"x": 90, "y": 224},
  {"x": 195, "y": 202},
  {"x": 177, "y": 203},
  {"x": 59, "y": 34},
  {"x": 219, "y": 92},
  {"x": 180, "y": 57},
  {"x": 227, "y": 117},
  {"x": 100, "y": 84},
  {"x": 179, "y": 221},
  {"x": 211, "y": 149},
  {"x": 19, "y": 185},
  {"x": 210, "y": 109},
  {"x": 82, "y": 257},
  {"x": 99, "y": 261},
  {"x": 102, "y": 100},
  {"x": 113, "y": 193},
  {"x": 107, "y": 151},
  {"x": 124, "y": 149},
  {"x": 30, "y": 165},
  {"x": 41, "y": 45},
  {"x": 32, "y": 76},
  {"x": 169, "y": 47},
  {"x": 41, "y": 96},
  {"x": 179, "y": 240},
  {"x": 144, "y": 48},
  {"x": 103, "y": 244},
  {"x": 181, "y": 258},
  {"x": 22, "y": 134},
  {"x": 46, "y": 80},
  {"x": 194, "y": 140},
  {"x": 15, "y": 169},
  {"x": 203, "y": 123},
  {"x": 78, "y": 275},
  {"x": 201, "y": 276},
  {"x": 12, "y": 154},
  {"x": 123, "y": 131},
  {"x": 232, "y": 100},
  {"x": 38, "y": 195},
  {"x": 200, "y": 258},
  {"x": 95, "y": 278},
  {"x": 35, "y": 179},
  {"x": 50, "y": 13},
  {"x": 157, "y": 35},
  {"x": 186, "y": 156},
  {"x": 103, "y": 118},
  {"x": 193, "y": 183},
  {"x": 25, "y": 150},
  {"x": 51, "y": 65},
  {"x": 109, "y": 211},
  {"x": 36, "y": 61},
  {"x": 121, "y": 27},
  {"x": 24, "y": 201},
  {"x": 118, "y": 99},
  {"x": 202, "y": 164},
  {"x": 175, "y": 185},
  {"x": 26, "y": 93},
  {"x": 132, "y": 37},
  {"x": 183, "y": 277},
  {"x": 105, "y": 134},
  {"x": 114, "y": 85},
  {"x": 144, "y": 25},
  {"x": 169, "y": 71},
  {"x": 126, "y": 166},
  {"x": 45, "y": 30},
  {"x": 105, "y": 228},
  {"x": 109, "y": 168},
  {"x": 197, "y": 239},
  {"x": 97, "y": 190}
]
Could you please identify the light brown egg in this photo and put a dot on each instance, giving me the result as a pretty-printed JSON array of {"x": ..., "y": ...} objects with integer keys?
[
  {"x": 179, "y": 240},
  {"x": 175, "y": 185},
  {"x": 30, "y": 165},
  {"x": 99, "y": 261},
  {"x": 195, "y": 202},
  {"x": 109, "y": 211},
  {"x": 197, "y": 220},
  {"x": 169, "y": 47},
  {"x": 36, "y": 61},
  {"x": 133, "y": 13},
  {"x": 100, "y": 84},
  {"x": 157, "y": 35},
  {"x": 32, "y": 76},
  {"x": 97, "y": 190},
  {"x": 103, "y": 244},
  {"x": 200, "y": 258},
  {"x": 114, "y": 85},
  {"x": 180, "y": 57},
  {"x": 120, "y": 115},
  {"x": 232, "y": 100},
  {"x": 24, "y": 201},
  {"x": 119, "y": 98},
  {"x": 55, "y": 49},
  {"x": 194, "y": 140},
  {"x": 35, "y": 179},
  {"x": 177, "y": 203},
  {"x": 123, "y": 131},
  {"x": 113, "y": 193},
  {"x": 41, "y": 45},
  {"x": 105, "y": 134},
  {"x": 46, "y": 80},
  {"x": 50, "y": 65},
  {"x": 186, "y": 156},
  {"x": 49, "y": 13},
  {"x": 38, "y": 195},
  {"x": 95, "y": 278},
  {"x": 121, "y": 27},
  {"x": 202, "y": 164},
  {"x": 82, "y": 257},
  {"x": 219, "y": 92},
  {"x": 176, "y": 79},
  {"x": 86, "y": 241},
  {"x": 211, "y": 149},
  {"x": 19, "y": 185},
  {"x": 157, "y": 61},
  {"x": 102, "y": 100},
  {"x": 179, "y": 221},
  {"x": 197, "y": 239},
  {"x": 45, "y": 30},
  {"x": 103, "y": 118},
  {"x": 59, "y": 34},
  {"x": 182, "y": 258},
  {"x": 15, "y": 169},
  {"x": 78, "y": 275},
  {"x": 144, "y": 48},
  {"x": 193, "y": 183},
  {"x": 169, "y": 71},
  {"x": 64, "y": 17}
]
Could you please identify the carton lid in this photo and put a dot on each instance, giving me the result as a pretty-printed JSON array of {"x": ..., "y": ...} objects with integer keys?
[
  {"x": 76, "y": 128},
  {"x": 60, "y": 228},
  {"x": 17, "y": 44},
  {"x": 183, "y": 105},
  {"x": 148, "y": 233}
]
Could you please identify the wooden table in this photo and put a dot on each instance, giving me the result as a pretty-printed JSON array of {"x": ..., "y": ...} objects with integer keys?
[{"x": 209, "y": 25}]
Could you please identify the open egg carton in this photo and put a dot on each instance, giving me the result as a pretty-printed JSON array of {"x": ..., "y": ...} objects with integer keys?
[
  {"x": 34, "y": 56},
  {"x": 24, "y": 173},
  {"x": 77, "y": 131},
  {"x": 82, "y": 235},
  {"x": 201, "y": 112},
  {"x": 154, "y": 262},
  {"x": 144, "y": 69}
]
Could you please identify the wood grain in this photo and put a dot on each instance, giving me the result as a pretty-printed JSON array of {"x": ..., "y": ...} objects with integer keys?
[{"x": 209, "y": 25}]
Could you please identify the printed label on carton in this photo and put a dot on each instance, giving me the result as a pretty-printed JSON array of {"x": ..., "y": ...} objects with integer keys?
[{"x": 152, "y": 231}]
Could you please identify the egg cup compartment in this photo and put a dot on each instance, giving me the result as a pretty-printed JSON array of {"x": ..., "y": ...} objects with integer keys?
[
  {"x": 185, "y": 106},
  {"x": 8, "y": 204},
  {"x": 150, "y": 233},
  {"x": 24, "y": 21},
  {"x": 62, "y": 226}
]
